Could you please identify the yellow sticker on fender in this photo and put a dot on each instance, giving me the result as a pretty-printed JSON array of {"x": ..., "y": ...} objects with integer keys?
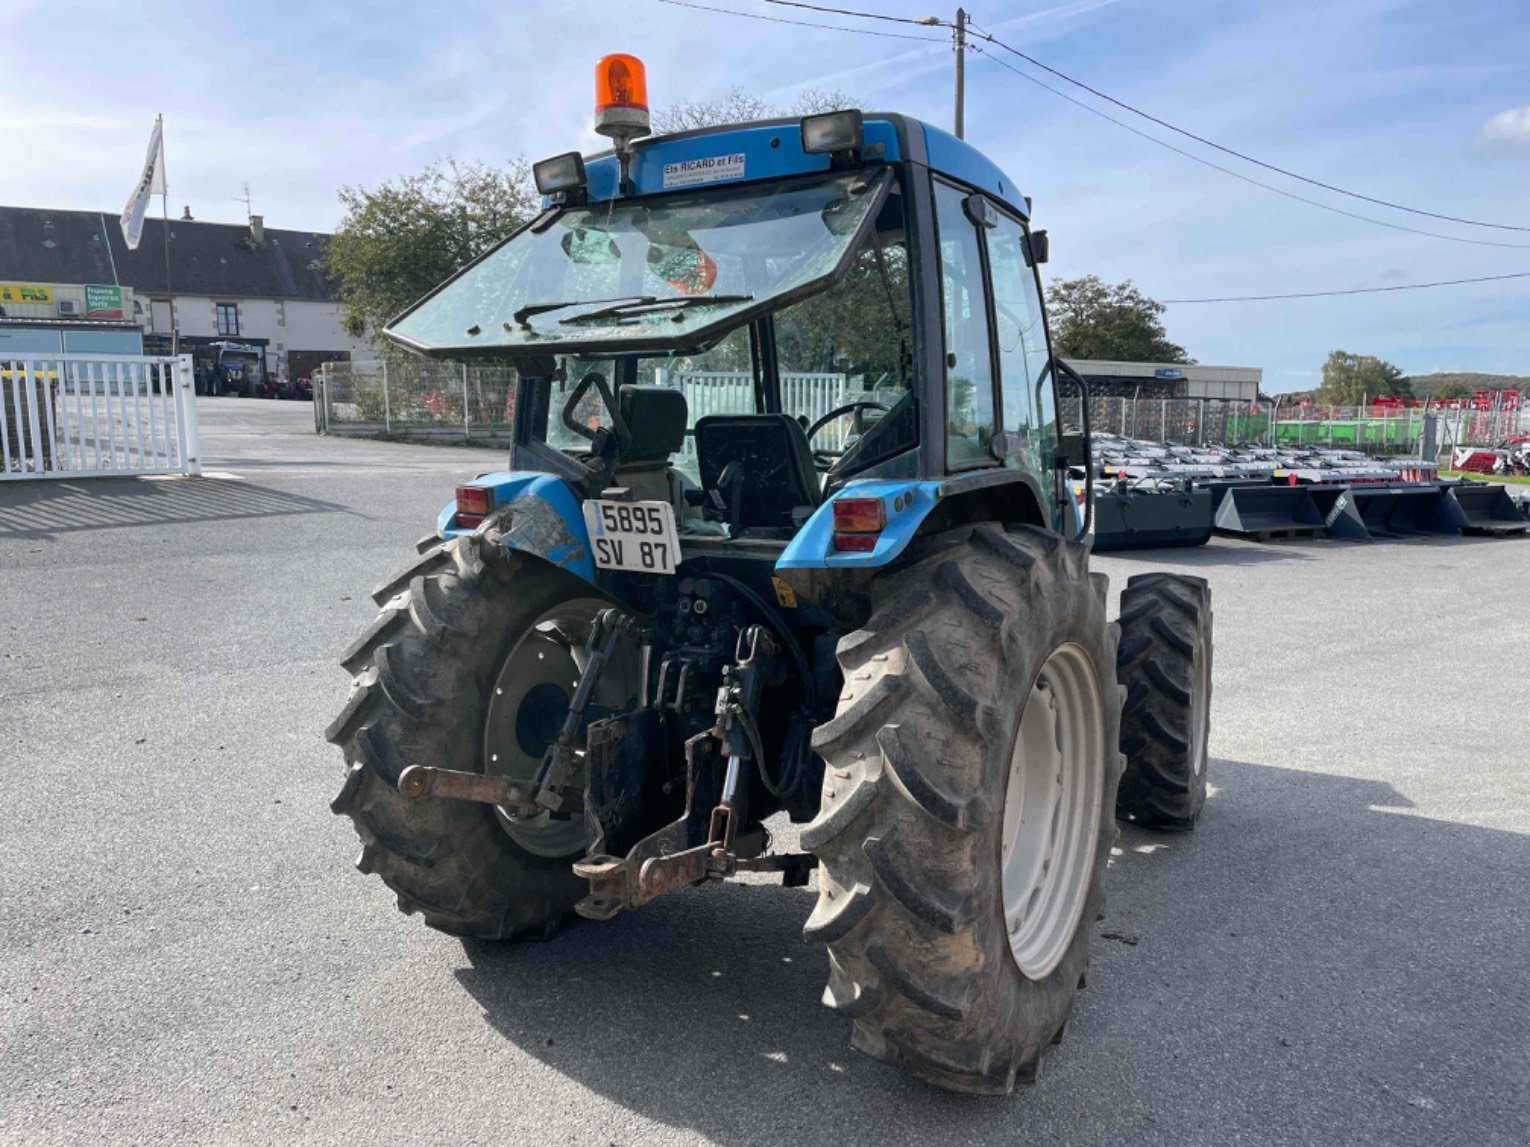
[{"x": 784, "y": 593}]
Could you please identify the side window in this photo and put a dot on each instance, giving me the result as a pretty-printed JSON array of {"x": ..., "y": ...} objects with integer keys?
[
  {"x": 1030, "y": 409},
  {"x": 969, "y": 370},
  {"x": 852, "y": 344}
]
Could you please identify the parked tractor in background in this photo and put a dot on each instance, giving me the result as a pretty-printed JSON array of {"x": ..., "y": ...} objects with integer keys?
[{"x": 852, "y": 591}]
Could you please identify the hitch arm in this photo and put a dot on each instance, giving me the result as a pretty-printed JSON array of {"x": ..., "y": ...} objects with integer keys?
[{"x": 546, "y": 790}]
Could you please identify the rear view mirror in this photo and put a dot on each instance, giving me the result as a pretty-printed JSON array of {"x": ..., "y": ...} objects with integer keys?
[
  {"x": 1041, "y": 247},
  {"x": 1071, "y": 450}
]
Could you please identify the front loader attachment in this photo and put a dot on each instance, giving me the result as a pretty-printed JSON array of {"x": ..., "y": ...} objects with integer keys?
[
  {"x": 1265, "y": 512},
  {"x": 1408, "y": 511},
  {"x": 1137, "y": 519},
  {"x": 1488, "y": 509}
]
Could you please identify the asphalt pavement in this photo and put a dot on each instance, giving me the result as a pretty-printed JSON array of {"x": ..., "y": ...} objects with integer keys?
[{"x": 1340, "y": 953}]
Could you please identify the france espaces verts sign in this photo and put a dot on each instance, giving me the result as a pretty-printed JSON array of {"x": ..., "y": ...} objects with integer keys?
[{"x": 103, "y": 302}]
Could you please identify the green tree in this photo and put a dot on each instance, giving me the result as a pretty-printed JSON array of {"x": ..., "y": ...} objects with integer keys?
[
  {"x": 1451, "y": 391},
  {"x": 1093, "y": 319},
  {"x": 1350, "y": 378},
  {"x": 402, "y": 238}
]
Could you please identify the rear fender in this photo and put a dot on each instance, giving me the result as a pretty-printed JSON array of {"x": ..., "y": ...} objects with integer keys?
[
  {"x": 545, "y": 519},
  {"x": 914, "y": 508},
  {"x": 838, "y": 581}
]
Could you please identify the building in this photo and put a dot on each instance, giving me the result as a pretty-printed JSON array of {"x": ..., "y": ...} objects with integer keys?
[
  {"x": 1169, "y": 380},
  {"x": 68, "y": 283}
]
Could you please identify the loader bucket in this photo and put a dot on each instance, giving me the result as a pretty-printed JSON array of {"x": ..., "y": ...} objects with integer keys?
[
  {"x": 1145, "y": 519},
  {"x": 1487, "y": 509},
  {"x": 1265, "y": 512},
  {"x": 1407, "y": 511},
  {"x": 1341, "y": 519}
]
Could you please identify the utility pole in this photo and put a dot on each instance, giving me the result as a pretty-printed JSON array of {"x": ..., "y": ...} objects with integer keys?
[
  {"x": 959, "y": 45},
  {"x": 959, "y": 38}
]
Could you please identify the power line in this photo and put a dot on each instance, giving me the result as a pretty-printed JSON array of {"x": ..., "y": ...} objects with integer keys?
[
  {"x": 1351, "y": 291},
  {"x": 1238, "y": 154},
  {"x": 1094, "y": 111},
  {"x": 928, "y": 21},
  {"x": 801, "y": 23},
  {"x": 981, "y": 33}
]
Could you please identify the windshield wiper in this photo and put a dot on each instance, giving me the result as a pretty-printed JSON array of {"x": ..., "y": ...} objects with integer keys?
[
  {"x": 531, "y": 309},
  {"x": 628, "y": 308}
]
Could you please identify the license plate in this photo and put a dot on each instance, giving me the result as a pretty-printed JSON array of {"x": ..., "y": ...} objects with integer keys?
[{"x": 635, "y": 536}]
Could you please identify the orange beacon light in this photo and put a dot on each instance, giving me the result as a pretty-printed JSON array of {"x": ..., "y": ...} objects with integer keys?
[
  {"x": 621, "y": 99},
  {"x": 620, "y": 82}
]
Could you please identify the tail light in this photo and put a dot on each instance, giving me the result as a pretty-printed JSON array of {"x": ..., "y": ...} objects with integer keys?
[
  {"x": 473, "y": 505},
  {"x": 857, "y": 524}
]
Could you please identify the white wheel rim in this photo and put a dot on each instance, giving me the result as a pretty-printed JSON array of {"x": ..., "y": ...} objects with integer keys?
[
  {"x": 1052, "y": 811},
  {"x": 1200, "y": 715},
  {"x": 531, "y": 695}
]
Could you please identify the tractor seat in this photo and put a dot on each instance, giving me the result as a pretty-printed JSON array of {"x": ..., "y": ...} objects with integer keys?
[
  {"x": 757, "y": 471},
  {"x": 655, "y": 418}
]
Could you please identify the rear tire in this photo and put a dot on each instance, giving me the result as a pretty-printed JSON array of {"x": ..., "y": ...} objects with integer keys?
[
  {"x": 425, "y": 674},
  {"x": 911, "y": 832},
  {"x": 1164, "y": 661}
]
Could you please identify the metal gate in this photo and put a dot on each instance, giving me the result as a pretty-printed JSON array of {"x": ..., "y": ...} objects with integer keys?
[{"x": 91, "y": 416}]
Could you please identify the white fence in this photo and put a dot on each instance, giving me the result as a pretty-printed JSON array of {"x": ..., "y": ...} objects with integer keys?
[
  {"x": 732, "y": 392},
  {"x": 88, "y": 416},
  {"x": 456, "y": 402}
]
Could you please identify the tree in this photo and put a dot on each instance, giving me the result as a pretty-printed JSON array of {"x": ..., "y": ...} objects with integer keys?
[
  {"x": 1451, "y": 391},
  {"x": 1092, "y": 319},
  {"x": 738, "y": 106},
  {"x": 403, "y": 238},
  {"x": 1348, "y": 379}
]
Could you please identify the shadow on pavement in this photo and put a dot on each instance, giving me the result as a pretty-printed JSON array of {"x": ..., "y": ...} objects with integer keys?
[
  {"x": 1223, "y": 553},
  {"x": 1313, "y": 964},
  {"x": 45, "y": 509}
]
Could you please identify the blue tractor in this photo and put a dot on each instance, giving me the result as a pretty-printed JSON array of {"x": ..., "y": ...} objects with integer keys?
[{"x": 786, "y": 529}]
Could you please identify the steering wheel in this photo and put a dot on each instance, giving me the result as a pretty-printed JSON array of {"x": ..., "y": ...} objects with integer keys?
[{"x": 824, "y": 459}]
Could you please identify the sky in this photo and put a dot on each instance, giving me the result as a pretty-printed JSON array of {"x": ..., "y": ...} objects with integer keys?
[{"x": 1414, "y": 101}]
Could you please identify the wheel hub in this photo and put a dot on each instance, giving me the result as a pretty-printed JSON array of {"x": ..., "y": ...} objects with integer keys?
[{"x": 527, "y": 707}]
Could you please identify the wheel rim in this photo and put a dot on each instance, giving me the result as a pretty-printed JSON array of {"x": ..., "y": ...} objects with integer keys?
[
  {"x": 527, "y": 707},
  {"x": 1052, "y": 811},
  {"x": 1200, "y": 713}
]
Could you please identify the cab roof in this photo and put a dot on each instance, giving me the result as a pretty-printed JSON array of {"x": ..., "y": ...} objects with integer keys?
[{"x": 769, "y": 149}]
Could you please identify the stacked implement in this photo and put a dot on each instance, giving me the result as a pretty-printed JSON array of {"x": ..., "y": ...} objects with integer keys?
[{"x": 1150, "y": 494}]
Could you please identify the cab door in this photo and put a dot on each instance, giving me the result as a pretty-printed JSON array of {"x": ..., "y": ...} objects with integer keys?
[{"x": 1027, "y": 388}]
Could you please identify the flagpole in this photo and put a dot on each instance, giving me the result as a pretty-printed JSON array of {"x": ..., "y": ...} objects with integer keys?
[{"x": 175, "y": 330}]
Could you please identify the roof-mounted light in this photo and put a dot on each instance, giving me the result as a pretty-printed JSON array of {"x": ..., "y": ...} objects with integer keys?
[
  {"x": 621, "y": 97},
  {"x": 560, "y": 173},
  {"x": 832, "y": 132}
]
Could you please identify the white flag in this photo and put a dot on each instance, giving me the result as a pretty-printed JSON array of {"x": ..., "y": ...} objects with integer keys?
[{"x": 151, "y": 183}]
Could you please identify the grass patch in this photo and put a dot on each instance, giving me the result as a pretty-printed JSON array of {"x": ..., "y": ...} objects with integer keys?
[{"x": 1506, "y": 479}]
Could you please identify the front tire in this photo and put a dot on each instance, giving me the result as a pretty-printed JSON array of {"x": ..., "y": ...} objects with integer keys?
[
  {"x": 430, "y": 682},
  {"x": 1164, "y": 661},
  {"x": 958, "y": 924}
]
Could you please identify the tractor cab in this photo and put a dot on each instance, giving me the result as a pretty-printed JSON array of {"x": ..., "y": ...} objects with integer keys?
[{"x": 750, "y": 323}]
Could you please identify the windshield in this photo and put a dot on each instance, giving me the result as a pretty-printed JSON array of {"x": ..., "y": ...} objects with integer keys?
[{"x": 640, "y": 272}]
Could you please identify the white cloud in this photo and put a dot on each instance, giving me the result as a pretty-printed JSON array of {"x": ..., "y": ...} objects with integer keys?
[{"x": 1509, "y": 127}]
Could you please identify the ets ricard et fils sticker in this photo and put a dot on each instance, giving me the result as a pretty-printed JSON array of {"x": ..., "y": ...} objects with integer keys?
[{"x": 692, "y": 171}]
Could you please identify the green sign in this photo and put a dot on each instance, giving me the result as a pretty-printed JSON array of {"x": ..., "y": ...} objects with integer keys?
[{"x": 103, "y": 302}]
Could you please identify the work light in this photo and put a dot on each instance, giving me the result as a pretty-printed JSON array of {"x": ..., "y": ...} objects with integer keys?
[
  {"x": 560, "y": 173},
  {"x": 831, "y": 132}
]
